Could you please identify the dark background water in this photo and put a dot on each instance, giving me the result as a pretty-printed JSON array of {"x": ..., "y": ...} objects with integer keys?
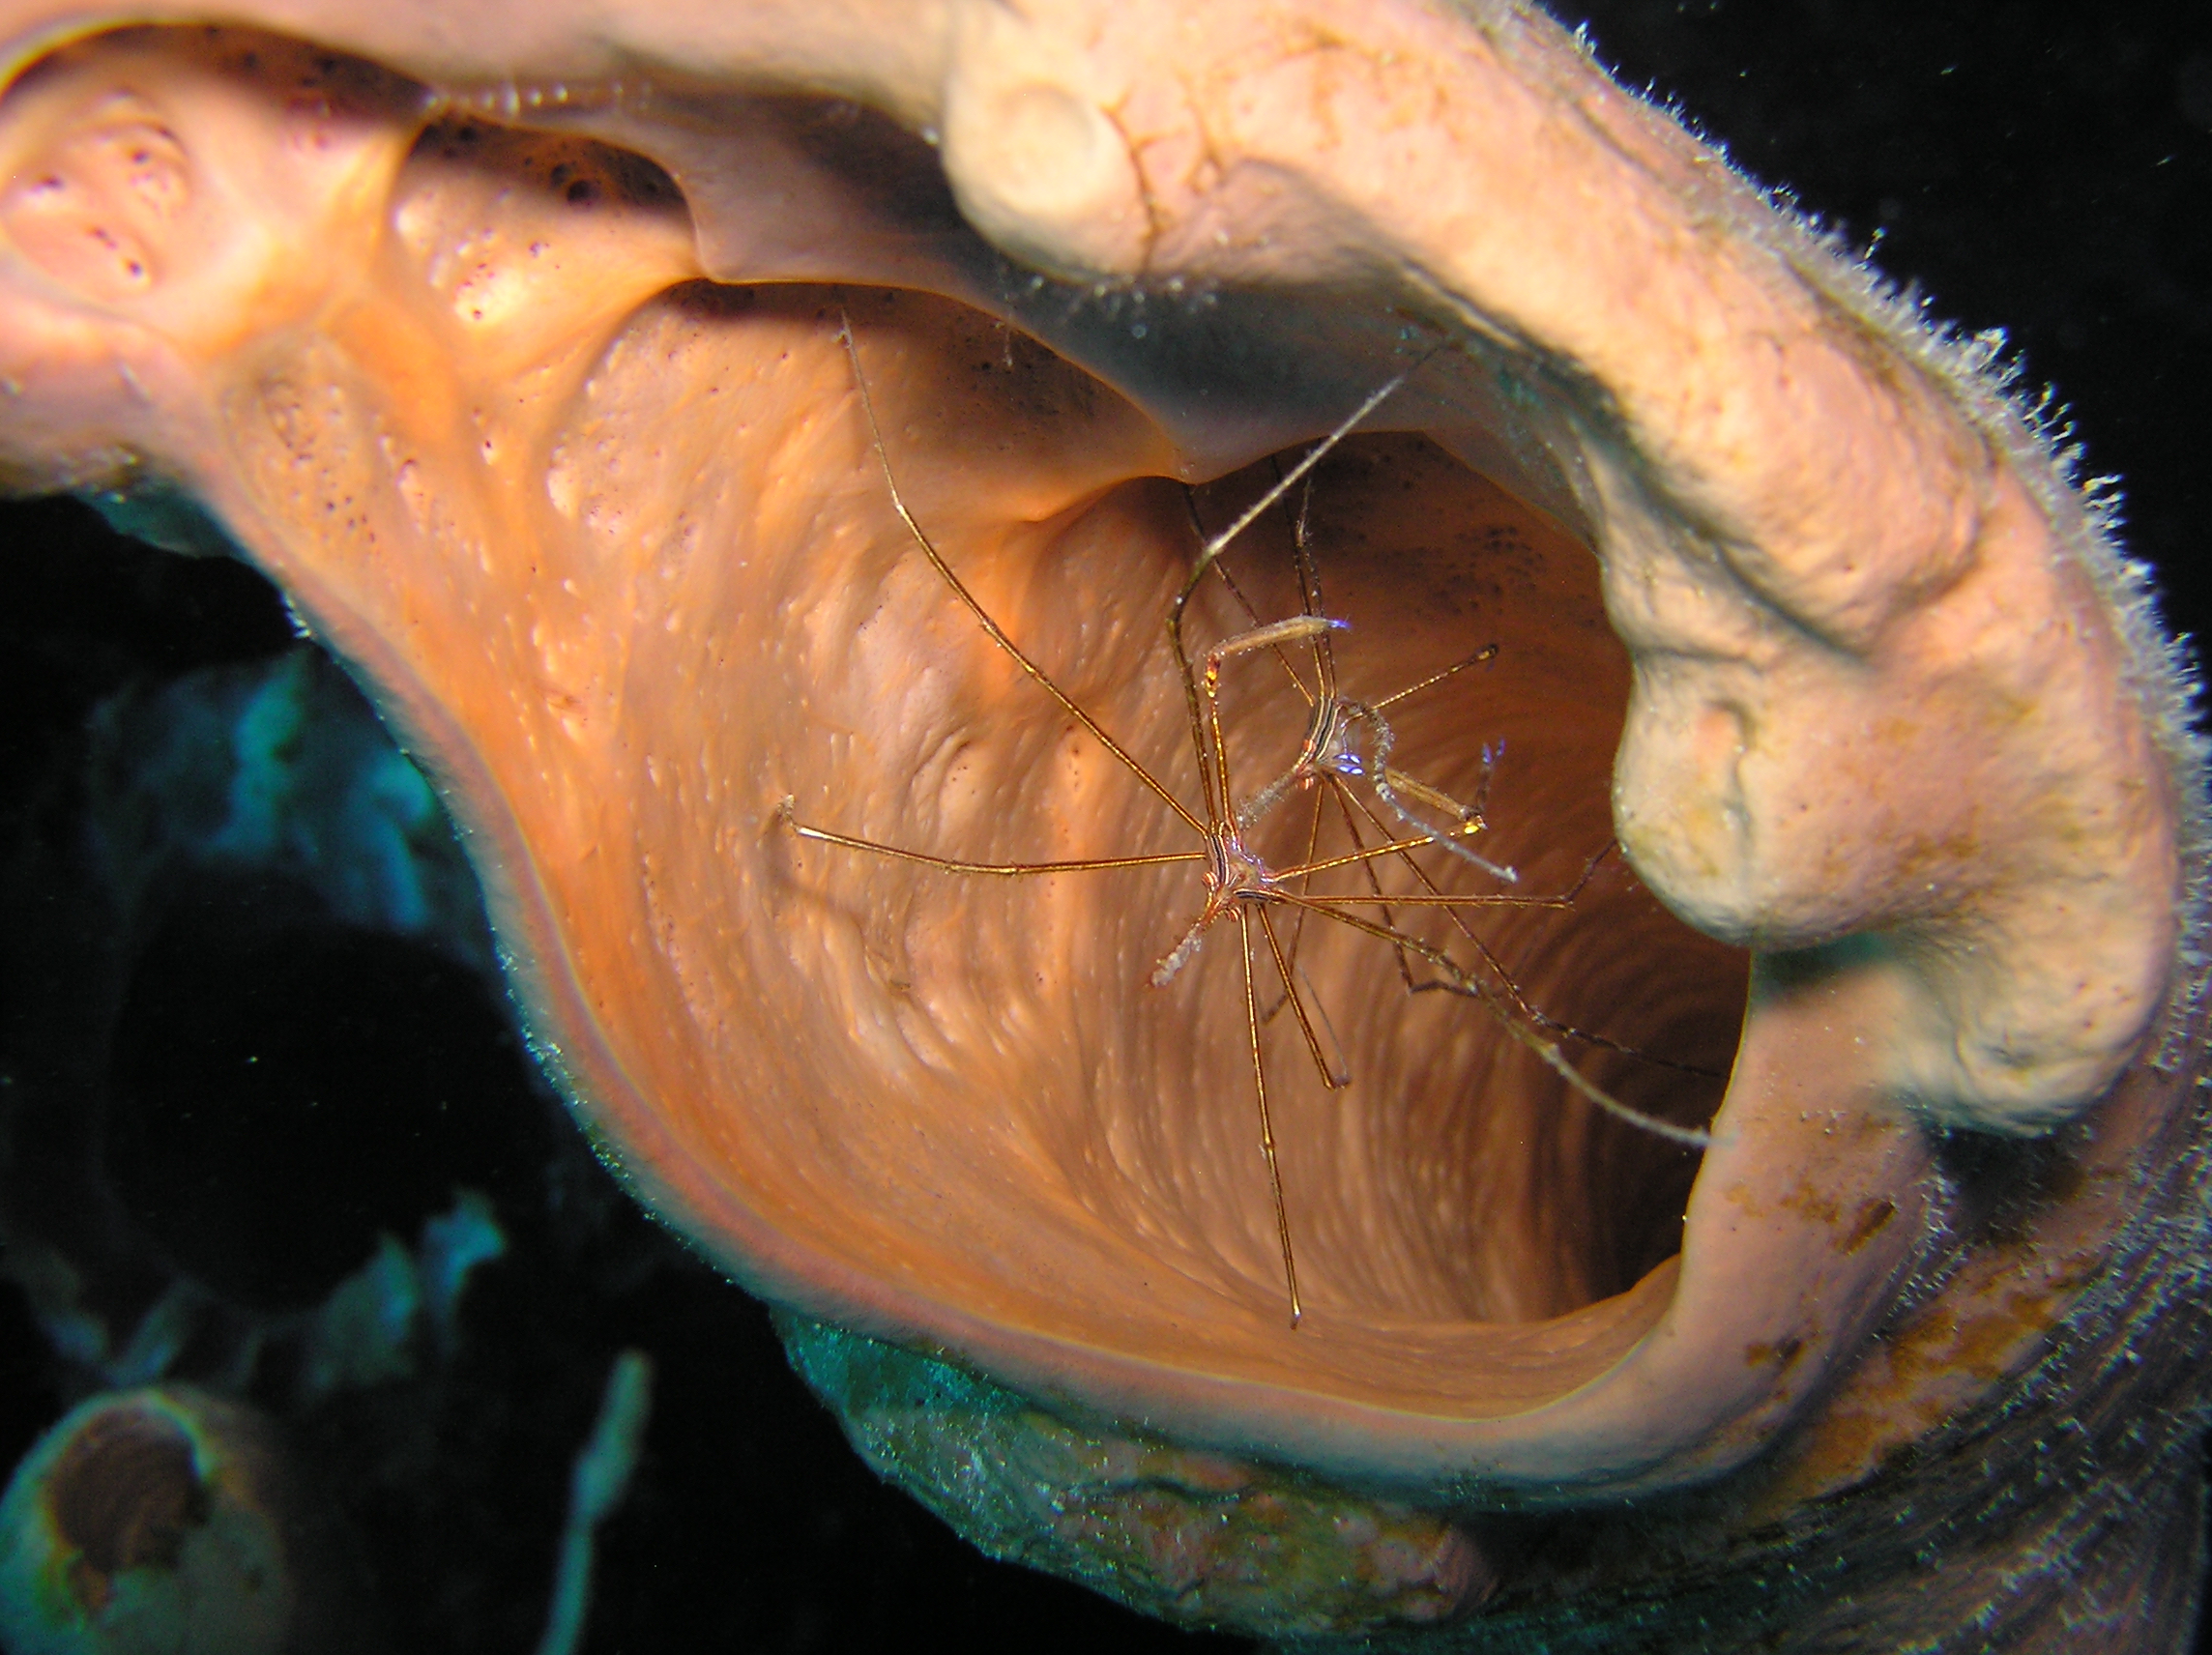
[{"x": 2044, "y": 170}]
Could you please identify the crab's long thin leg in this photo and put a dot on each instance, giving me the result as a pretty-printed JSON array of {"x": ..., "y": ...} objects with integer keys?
[
  {"x": 1330, "y": 1080},
  {"x": 1267, "y": 1122},
  {"x": 1488, "y": 652},
  {"x": 1198, "y": 525},
  {"x": 1305, "y": 888},
  {"x": 1309, "y": 589},
  {"x": 1546, "y": 1051},
  {"x": 1338, "y": 791},
  {"x": 1227, "y": 817},
  {"x": 984, "y": 618},
  {"x": 997, "y": 870},
  {"x": 1298, "y": 628},
  {"x": 1431, "y": 897},
  {"x": 1213, "y": 548}
]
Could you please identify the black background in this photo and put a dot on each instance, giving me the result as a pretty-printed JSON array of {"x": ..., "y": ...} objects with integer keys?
[{"x": 2049, "y": 172}]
